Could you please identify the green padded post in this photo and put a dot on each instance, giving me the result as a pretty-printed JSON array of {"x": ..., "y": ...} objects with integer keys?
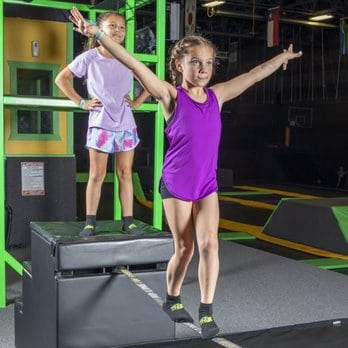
[
  {"x": 159, "y": 120},
  {"x": 159, "y": 59},
  {"x": 2, "y": 167}
]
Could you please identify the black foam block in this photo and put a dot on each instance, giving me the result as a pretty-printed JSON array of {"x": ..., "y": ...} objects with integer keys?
[{"x": 74, "y": 294}]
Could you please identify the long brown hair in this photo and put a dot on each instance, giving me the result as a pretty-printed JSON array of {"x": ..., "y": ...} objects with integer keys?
[
  {"x": 91, "y": 42},
  {"x": 180, "y": 49}
]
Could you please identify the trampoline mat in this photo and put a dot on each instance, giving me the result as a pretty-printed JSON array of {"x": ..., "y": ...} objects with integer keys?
[{"x": 324, "y": 334}]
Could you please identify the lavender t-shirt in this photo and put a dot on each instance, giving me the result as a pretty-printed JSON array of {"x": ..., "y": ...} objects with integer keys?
[
  {"x": 109, "y": 81},
  {"x": 193, "y": 132}
]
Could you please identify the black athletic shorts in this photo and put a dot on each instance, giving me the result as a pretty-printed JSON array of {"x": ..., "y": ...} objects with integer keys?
[{"x": 164, "y": 191}]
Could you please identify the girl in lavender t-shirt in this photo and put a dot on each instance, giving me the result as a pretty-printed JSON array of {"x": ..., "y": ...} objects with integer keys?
[{"x": 111, "y": 125}]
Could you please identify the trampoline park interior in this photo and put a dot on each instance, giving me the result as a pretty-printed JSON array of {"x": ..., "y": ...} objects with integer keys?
[{"x": 283, "y": 185}]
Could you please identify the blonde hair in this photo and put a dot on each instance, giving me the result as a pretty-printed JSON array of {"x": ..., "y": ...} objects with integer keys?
[{"x": 180, "y": 49}]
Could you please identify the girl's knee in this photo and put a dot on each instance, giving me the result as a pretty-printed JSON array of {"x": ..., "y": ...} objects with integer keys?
[
  {"x": 208, "y": 246},
  {"x": 124, "y": 174},
  {"x": 96, "y": 176},
  {"x": 185, "y": 251}
]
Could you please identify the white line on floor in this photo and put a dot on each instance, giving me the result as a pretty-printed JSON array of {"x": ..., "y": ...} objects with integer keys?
[{"x": 219, "y": 340}]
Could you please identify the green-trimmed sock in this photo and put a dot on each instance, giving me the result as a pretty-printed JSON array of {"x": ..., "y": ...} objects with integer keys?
[
  {"x": 209, "y": 329},
  {"x": 130, "y": 227},
  {"x": 174, "y": 308},
  {"x": 89, "y": 229}
]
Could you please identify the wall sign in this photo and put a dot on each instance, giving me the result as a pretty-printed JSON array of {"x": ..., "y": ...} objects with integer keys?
[{"x": 33, "y": 179}]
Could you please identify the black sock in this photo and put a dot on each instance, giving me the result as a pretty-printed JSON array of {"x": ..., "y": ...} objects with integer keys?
[
  {"x": 89, "y": 228},
  {"x": 174, "y": 308},
  {"x": 130, "y": 227},
  {"x": 91, "y": 220},
  {"x": 127, "y": 220},
  {"x": 208, "y": 326}
]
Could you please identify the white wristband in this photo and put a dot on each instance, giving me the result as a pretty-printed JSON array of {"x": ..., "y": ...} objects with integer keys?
[
  {"x": 99, "y": 34},
  {"x": 82, "y": 103}
]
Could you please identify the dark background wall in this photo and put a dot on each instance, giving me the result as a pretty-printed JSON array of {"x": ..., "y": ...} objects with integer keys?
[{"x": 253, "y": 143}]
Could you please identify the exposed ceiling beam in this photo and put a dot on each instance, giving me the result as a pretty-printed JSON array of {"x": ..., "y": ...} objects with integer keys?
[{"x": 281, "y": 19}]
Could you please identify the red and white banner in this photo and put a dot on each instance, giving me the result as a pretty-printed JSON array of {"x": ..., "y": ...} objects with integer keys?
[{"x": 273, "y": 27}]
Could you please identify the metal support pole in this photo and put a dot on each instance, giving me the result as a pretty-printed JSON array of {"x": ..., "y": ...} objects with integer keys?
[
  {"x": 2, "y": 167},
  {"x": 159, "y": 120}
]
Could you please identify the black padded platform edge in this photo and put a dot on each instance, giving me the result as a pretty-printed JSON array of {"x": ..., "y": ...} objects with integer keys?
[
  {"x": 323, "y": 334},
  {"x": 310, "y": 222},
  {"x": 109, "y": 247}
]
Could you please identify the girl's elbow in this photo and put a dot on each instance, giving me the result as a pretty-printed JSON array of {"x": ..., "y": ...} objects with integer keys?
[
  {"x": 57, "y": 81},
  {"x": 61, "y": 80}
]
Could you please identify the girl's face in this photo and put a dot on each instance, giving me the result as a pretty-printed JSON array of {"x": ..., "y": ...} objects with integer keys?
[
  {"x": 197, "y": 66},
  {"x": 115, "y": 27}
]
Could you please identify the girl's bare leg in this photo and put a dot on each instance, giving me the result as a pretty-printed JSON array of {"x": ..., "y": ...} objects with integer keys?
[
  {"x": 206, "y": 219},
  {"x": 97, "y": 171},
  {"x": 206, "y": 222},
  {"x": 124, "y": 163},
  {"x": 179, "y": 217}
]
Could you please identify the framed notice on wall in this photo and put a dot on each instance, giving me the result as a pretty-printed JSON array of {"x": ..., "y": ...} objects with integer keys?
[{"x": 33, "y": 179}]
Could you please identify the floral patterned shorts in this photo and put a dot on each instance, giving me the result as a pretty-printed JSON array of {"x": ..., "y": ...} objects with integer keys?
[{"x": 111, "y": 142}]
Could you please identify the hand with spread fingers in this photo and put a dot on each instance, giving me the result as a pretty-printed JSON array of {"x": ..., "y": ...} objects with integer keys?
[{"x": 82, "y": 25}]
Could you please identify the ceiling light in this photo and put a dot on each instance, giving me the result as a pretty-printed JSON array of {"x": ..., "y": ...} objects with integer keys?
[
  {"x": 321, "y": 17},
  {"x": 212, "y": 4}
]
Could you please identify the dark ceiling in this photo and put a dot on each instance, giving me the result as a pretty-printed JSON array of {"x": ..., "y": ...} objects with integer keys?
[
  {"x": 295, "y": 9},
  {"x": 247, "y": 18},
  {"x": 237, "y": 18},
  {"x": 300, "y": 9}
]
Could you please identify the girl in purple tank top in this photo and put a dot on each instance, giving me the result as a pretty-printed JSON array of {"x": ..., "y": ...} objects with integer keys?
[{"x": 188, "y": 184}]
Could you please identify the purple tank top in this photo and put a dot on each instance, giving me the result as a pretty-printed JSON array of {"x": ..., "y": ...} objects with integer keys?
[{"x": 193, "y": 132}]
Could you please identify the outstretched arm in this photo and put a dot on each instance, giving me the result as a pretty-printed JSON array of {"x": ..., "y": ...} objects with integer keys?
[
  {"x": 161, "y": 90},
  {"x": 236, "y": 86}
]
